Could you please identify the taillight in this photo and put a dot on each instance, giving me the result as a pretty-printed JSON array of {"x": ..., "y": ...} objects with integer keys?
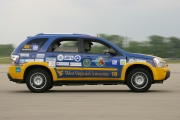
[{"x": 14, "y": 59}]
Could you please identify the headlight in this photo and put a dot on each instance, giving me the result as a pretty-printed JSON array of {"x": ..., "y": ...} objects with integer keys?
[
  {"x": 14, "y": 59},
  {"x": 158, "y": 62}
]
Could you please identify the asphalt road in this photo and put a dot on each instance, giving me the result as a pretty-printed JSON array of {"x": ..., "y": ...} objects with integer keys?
[{"x": 161, "y": 102}]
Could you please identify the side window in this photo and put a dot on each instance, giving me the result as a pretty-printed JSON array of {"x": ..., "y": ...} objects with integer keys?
[
  {"x": 64, "y": 45},
  {"x": 94, "y": 47},
  {"x": 34, "y": 45},
  {"x": 98, "y": 48}
]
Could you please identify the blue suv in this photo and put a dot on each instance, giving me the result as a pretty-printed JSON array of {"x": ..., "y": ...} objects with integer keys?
[{"x": 46, "y": 60}]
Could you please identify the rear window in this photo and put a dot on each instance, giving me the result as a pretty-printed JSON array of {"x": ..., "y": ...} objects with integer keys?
[{"x": 34, "y": 45}]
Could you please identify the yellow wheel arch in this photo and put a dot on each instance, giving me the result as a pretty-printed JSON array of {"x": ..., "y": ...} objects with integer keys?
[
  {"x": 33, "y": 65},
  {"x": 128, "y": 67}
]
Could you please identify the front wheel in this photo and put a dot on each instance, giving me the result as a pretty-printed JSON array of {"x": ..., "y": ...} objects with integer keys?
[
  {"x": 139, "y": 80},
  {"x": 38, "y": 80}
]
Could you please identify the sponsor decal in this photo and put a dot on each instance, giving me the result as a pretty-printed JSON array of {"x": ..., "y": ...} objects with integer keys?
[
  {"x": 68, "y": 57},
  {"x": 50, "y": 59},
  {"x": 122, "y": 61},
  {"x": 60, "y": 57},
  {"x": 131, "y": 61},
  {"x": 18, "y": 69},
  {"x": 40, "y": 55},
  {"x": 77, "y": 58},
  {"x": 22, "y": 61},
  {"x": 62, "y": 63},
  {"x": 86, "y": 62},
  {"x": 35, "y": 47},
  {"x": 85, "y": 74},
  {"x": 29, "y": 60},
  {"x": 140, "y": 60},
  {"x": 75, "y": 64},
  {"x": 99, "y": 61},
  {"x": 27, "y": 47},
  {"x": 24, "y": 55},
  {"x": 60, "y": 73},
  {"x": 52, "y": 64},
  {"x": 114, "y": 62},
  {"x": 39, "y": 60}
]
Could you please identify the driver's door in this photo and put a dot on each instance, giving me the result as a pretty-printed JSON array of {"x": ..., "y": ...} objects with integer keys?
[{"x": 99, "y": 66}]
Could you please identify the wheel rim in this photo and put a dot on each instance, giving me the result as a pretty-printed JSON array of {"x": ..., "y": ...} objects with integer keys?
[
  {"x": 38, "y": 80},
  {"x": 139, "y": 80}
]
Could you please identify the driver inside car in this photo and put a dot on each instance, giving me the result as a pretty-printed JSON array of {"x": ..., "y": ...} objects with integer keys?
[
  {"x": 56, "y": 46},
  {"x": 88, "y": 46}
]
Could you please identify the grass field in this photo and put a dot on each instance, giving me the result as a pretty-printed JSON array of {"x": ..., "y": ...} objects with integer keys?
[
  {"x": 5, "y": 61},
  {"x": 8, "y": 61}
]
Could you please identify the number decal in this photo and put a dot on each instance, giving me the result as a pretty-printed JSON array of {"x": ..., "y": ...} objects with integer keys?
[
  {"x": 26, "y": 46},
  {"x": 114, "y": 74}
]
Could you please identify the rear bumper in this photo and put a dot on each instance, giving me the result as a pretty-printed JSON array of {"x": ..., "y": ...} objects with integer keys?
[{"x": 14, "y": 80}]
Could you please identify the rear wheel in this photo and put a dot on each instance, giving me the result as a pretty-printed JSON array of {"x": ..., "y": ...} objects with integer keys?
[
  {"x": 139, "y": 80},
  {"x": 38, "y": 80}
]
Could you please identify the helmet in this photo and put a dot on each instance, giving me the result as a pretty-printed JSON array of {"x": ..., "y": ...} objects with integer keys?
[
  {"x": 87, "y": 45},
  {"x": 56, "y": 45}
]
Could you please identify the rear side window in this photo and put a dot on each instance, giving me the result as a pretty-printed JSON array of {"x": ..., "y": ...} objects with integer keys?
[
  {"x": 64, "y": 45},
  {"x": 34, "y": 45}
]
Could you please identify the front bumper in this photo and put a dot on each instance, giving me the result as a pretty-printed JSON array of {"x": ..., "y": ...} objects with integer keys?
[{"x": 167, "y": 75}]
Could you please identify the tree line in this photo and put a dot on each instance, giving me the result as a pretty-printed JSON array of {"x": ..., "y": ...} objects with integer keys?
[
  {"x": 155, "y": 45},
  {"x": 6, "y": 50}
]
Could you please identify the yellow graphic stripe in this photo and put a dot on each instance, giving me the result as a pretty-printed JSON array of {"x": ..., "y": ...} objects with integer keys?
[
  {"x": 69, "y": 68},
  {"x": 80, "y": 68},
  {"x": 108, "y": 79},
  {"x": 101, "y": 69},
  {"x": 92, "y": 79}
]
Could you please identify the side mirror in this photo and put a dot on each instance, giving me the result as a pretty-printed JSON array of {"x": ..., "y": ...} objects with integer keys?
[{"x": 112, "y": 51}]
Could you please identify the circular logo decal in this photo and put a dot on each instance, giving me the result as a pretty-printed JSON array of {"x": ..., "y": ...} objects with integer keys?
[
  {"x": 100, "y": 61},
  {"x": 86, "y": 62},
  {"x": 60, "y": 57},
  {"x": 77, "y": 58},
  {"x": 131, "y": 61},
  {"x": 122, "y": 62}
]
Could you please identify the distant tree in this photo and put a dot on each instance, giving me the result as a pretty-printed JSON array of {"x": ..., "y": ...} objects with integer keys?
[
  {"x": 116, "y": 39},
  {"x": 6, "y": 50},
  {"x": 174, "y": 47},
  {"x": 157, "y": 45}
]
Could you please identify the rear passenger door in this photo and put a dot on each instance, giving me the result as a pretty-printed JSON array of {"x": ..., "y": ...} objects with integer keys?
[{"x": 67, "y": 58}]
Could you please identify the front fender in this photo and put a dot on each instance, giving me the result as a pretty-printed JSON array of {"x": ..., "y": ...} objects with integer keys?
[{"x": 128, "y": 65}]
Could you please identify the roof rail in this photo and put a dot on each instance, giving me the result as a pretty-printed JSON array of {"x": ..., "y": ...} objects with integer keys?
[{"x": 61, "y": 34}]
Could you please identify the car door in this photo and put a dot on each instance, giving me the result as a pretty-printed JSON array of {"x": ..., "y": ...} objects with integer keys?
[
  {"x": 65, "y": 59},
  {"x": 100, "y": 66}
]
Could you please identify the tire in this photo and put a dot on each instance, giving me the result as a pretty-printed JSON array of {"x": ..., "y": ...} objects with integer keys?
[
  {"x": 139, "y": 80},
  {"x": 38, "y": 80},
  {"x": 51, "y": 87}
]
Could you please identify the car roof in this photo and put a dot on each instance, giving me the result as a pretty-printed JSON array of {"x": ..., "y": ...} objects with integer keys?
[{"x": 64, "y": 34}]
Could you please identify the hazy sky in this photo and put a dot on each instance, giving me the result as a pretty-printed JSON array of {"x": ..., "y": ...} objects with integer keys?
[{"x": 136, "y": 18}]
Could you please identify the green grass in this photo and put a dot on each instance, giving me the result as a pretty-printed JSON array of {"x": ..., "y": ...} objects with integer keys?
[
  {"x": 172, "y": 61},
  {"x": 5, "y": 61}
]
